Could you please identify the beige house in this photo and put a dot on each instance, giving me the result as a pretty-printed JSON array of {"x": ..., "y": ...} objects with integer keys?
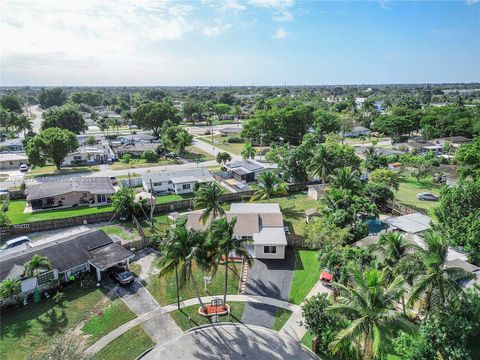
[
  {"x": 72, "y": 192},
  {"x": 261, "y": 225},
  {"x": 12, "y": 161}
]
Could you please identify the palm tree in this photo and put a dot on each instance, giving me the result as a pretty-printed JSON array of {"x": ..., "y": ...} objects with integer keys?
[
  {"x": 321, "y": 164},
  {"x": 9, "y": 287},
  {"x": 182, "y": 250},
  {"x": 269, "y": 184},
  {"x": 223, "y": 243},
  {"x": 345, "y": 178},
  {"x": 370, "y": 306},
  {"x": 371, "y": 157},
  {"x": 438, "y": 283},
  {"x": 36, "y": 265},
  {"x": 208, "y": 197},
  {"x": 248, "y": 151},
  {"x": 23, "y": 123}
]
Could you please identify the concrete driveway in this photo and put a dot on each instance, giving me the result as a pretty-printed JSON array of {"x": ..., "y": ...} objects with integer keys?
[{"x": 271, "y": 278}]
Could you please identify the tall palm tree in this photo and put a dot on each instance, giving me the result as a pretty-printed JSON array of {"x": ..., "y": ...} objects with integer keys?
[
  {"x": 248, "y": 151},
  {"x": 223, "y": 243},
  {"x": 36, "y": 265},
  {"x": 371, "y": 156},
  {"x": 269, "y": 184},
  {"x": 23, "y": 123},
  {"x": 183, "y": 250},
  {"x": 9, "y": 287},
  {"x": 370, "y": 305},
  {"x": 345, "y": 178},
  {"x": 438, "y": 283},
  {"x": 208, "y": 197},
  {"x": 321, "y": 164}
]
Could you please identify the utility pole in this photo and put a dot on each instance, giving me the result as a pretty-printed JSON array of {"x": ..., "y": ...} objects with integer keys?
[{"x": 152, "y": 204}]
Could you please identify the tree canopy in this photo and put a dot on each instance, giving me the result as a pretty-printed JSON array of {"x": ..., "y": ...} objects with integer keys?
[
  {"x": 52, "y": 97},
  {"x": 152, "y": 115},
  {"x": 64, "y": 117}
]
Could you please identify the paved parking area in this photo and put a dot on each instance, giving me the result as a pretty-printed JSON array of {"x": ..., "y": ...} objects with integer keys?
[{"x": 271, "y": 278}]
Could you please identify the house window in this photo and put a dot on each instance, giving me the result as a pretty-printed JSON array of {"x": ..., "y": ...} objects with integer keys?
[
  {"x": 11, "y": 162},
  {"x": 45, "y": 277},
  {"x": 269, "y": 249},
  {"x": 169, "y": 181},
  {"x": 157, "y": 184},
  {"x": 186, "y": 187},
  {"x": 101, "y": 198}
]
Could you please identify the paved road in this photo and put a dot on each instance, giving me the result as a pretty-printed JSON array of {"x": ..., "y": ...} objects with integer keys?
[
  {"x": 230, "y": 342},
  {"x": 200, "y": 130},
  {"x": 270, "y": 278}
]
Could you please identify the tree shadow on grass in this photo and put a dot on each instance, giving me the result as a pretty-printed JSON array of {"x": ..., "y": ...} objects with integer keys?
[
  {"x": 17, "y": 330},
  {"x": 54, "y": 323}
]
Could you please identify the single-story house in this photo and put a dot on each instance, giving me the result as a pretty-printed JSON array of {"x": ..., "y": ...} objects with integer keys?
[
  {"x": 136, "y": 149},
  {"x": 230, "y": 131},
  {"x": 247, "y": 170},
  {"x": 178, "y": 182},
  {"x": 462, "y": 264},
  {"x": 261, "y": 225},
  {"x": 446, "y": 174},
  {"x": 12, "y": 161},
  {"x": 311, "y": 213},
  {"x": 316, "y": 191},
  {"x": 420, "y": 147},
  {"x": 90, "y": 154},
  {"x": 83, "y": 137},
  {"x": 15, "y": 144},
  {"x": 455, "y": 141},
  {"x": 357, "y": 131},
  {"x": 132, "y": 139},
  {"x": 411, "y": 223},
  {"x": 71, "y": 192},
  {"x": 92, "y": 250}
]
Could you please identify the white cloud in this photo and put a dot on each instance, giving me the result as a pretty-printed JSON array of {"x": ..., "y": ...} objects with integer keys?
[
  {"x": 215, "y": 30},
  {"x": 280, "y": 8},
  {"x": 234, "y": 5},
  {"x": 281, "y": 33},
  {"x": 471, "y": 2}
]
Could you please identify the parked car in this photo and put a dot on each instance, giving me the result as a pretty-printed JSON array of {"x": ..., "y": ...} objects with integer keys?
[
  {"x": 4, "y": 193},
  {"x": 425, "y": 196},
  {"x": 113, "y": 179},
  {"x": 10, "y": 244},
  {"x": 121, "y": 275},
  {"x": 23, "y": 167},
  {"x": 326, "y": 277}
]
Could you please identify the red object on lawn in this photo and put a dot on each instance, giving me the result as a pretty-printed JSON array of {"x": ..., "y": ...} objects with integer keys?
[{"x": 326, "y": 276}]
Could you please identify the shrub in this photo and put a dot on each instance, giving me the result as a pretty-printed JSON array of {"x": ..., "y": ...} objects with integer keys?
[
  {"x": 150, "y": 156},
  {"x": 235, "y": 140},
  {"x": 127, "y": 158}
]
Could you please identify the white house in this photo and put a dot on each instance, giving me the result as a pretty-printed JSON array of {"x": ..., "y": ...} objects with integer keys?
[
  {"x": 12, "y": 161},
  {"x": 178, "y": 181},
  {"x": 94, "y": 154},
  {"x": 261, "y": 225}
]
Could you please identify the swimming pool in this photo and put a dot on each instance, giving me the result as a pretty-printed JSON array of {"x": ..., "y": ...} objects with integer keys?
[{"x": 375, "y": 226}]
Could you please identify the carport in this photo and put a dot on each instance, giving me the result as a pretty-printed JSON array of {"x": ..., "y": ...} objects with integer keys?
[{"x": 108, "y": 256}]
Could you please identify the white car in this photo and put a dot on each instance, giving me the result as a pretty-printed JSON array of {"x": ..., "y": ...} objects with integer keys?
[{"x": 23, "y": 167}]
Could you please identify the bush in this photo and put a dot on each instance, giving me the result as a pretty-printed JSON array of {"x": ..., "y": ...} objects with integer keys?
[
  {"x": 235, "y": 140},
  {"x": 127, "y": 158},
  {"x": 150, "y": 156}
]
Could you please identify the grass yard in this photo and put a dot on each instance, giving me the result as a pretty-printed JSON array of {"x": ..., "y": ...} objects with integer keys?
[
  {"x": 164, "y": 199},
  {"x": 51, "y": 170},
  {"x": 293, "y": 210},
  {"x": 220, "y": 142},
  {"x": 189, "y": 317},
  {"x": 410, "y": 187},
  {"x": 107, "y": 319},
  {"x": 127, "y": 346},
  {"x": 17, "y": 216},
  {"x": 307, "y": 340},
  {"x": 164, "y": 290},
  {"x": 126, "y": 231},
  {"x": 305, "y": 275},
  {"x": 161, "y": 223},
  {"x": 281, "y": 317},
  {"x": 139, "y": 163},
  {"x": 33, "y": 327},
  {"x": 196, "y": 154}
]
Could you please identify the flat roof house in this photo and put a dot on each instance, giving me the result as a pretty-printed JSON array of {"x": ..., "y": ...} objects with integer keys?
[
  {"x": 136, "y": 149},
  {"x": 92, "y": 250},
  {"x": 90, "y": 154},
  {"x": 260, "y": 223},
  {"x": 12, "y": 161},
  {"x": 134, "y": 138},
  {"x": 178, "y": 182},
  {"x": 358, "y": 131},
  {"x": 71, "y": 192},
  {"x": 247, "y": 170}
]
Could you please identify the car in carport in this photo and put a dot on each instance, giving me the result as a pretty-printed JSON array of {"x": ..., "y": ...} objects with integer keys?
[{"x": 121, "y": 275}]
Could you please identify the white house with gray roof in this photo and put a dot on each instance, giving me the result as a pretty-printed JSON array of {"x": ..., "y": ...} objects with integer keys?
[{"x": 177, "y": 181}]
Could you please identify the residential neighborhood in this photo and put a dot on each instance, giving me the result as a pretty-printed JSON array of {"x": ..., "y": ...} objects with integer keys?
[{"x": 242, "y": 179}]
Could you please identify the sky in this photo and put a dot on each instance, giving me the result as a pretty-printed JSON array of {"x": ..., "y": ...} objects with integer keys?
[{"x": 237, "y": 42}]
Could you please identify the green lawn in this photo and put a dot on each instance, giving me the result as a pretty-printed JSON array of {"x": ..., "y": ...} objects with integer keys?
[
  {"x": 127, "y": 346},
  {"x": 189, "y": 317},
  {"x": 51, "y": 170},
  {"x": 138, "y": 163},
  {"x": 164, "y": 290},
  {"x": 161, "y": 223},
  {"x": 17, "y": 216},
  {"x": 195, "y": 154},
  {"x": 126, "y": 231},
  {"x": 32, "y": 328},
  {"x": 164, "y": 199},
  {"x": 305, "y": 275},
  {"x": 220, "y": 142},
  {"x": 110, "y": 317},
  {"x": 281, "y": 317},
  {"x": 410, "y": 187},
  {"x": 293, "y": 210},
  {"x": 307, "y": 340}
]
